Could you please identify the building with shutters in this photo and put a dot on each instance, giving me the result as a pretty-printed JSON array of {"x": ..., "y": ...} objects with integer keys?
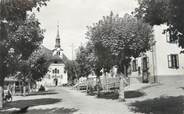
[
  {"x": 162, "y": 63},
  {"x": 56, "y": 74}
]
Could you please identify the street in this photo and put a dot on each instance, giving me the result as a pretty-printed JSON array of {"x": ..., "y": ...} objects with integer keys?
[{"x": 71, "y": 101}]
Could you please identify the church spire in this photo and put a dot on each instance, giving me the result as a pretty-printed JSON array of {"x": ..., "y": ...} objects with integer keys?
[{"x": 57, "y": 45}]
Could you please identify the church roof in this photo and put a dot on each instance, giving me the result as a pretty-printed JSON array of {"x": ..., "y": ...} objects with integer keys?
[
  {"x": 57, "y": 59},
  {"x": 48, "y": 54}
]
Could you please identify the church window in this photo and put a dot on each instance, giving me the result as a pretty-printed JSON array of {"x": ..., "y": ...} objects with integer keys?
[
  {"x": 55, "y": 70},
  {"x": 58, "y": 53}
]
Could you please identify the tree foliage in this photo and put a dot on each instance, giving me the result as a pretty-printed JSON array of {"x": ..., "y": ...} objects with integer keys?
[
  {"x": 24, "y": 41},
  {"x": 16, "y": 10},
  {"x": 71, "y": 68},
  {"x": 168, "y": 12},
  {"x": 34, "y": 68},
  {"x": 18, "y": 31},
  {"x": 117, "y": 39},
  {"x": 83, "y": 67}
]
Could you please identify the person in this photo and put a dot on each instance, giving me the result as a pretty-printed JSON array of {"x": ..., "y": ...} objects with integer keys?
[
  {"x": 123, "y": 84},
  {"x": 7, "y": 95}
]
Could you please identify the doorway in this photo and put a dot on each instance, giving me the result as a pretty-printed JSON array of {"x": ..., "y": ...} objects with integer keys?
[
  {"x": 145, "y": 70},
  {"x": 56, "y": 82}
]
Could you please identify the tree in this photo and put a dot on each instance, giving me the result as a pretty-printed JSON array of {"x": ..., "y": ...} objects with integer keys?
[
  {"x": 33, "y": 69},
  {"x": 83, "y": 68},
  {"x": 71, "y": 68},
  {"x": 117, "y": 39},
  {"x": 13, "y": 14},
  {"x": 168, "y": 12}
]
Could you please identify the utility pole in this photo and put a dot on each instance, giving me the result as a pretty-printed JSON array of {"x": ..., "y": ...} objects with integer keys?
[{"x": 72, "y": 51}]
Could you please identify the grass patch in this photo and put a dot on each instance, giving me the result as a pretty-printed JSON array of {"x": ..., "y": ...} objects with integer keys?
[
  {"x": 42, "y": 93},
  {"x": 161, "y": 105},
  {"x": 133, "y": 94},
  {"x": 29, "y": 103},
  {"x": 108, "y": 95},
  {"x": 115, "y": 95}
]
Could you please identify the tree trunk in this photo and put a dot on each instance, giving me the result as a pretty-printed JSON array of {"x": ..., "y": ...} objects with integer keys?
[
  {"x": 1, "y": 91},
  {"x": 87, "y": 87},
  {"x": 24, "y": 90},
  {"x": 122, "y": 85},
  {"x": 29, "y": 87},
  {"x": 98, "y": 85},
  {"x": 1, "y": 97},
  {"x": 121, "y": 90}
]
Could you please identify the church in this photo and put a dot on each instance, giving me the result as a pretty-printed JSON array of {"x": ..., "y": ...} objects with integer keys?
[{"x": 56, "y": 75}]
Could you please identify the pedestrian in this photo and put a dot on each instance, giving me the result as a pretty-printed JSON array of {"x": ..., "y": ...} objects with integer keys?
[{"x": 123, "y": 84}]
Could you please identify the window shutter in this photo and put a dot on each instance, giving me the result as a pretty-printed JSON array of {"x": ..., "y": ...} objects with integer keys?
[
  {"x": 136, "y": 63},
  {"x": 177, "y": 61},
  {"x": 169, "y": 61},
  {"x": 167, "y": 37},
  {"x": 147, "y": 60},
  {"x": 142, "y": 66}
]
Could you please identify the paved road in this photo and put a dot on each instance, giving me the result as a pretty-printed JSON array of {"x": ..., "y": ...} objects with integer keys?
[{"x": 80, "y": 103}]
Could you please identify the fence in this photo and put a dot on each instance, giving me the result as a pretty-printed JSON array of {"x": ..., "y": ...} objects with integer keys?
[{"x": 107, "y": 83}]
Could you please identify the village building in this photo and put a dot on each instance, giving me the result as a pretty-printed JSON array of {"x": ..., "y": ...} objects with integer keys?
[
  {"x": 163, "y": 63},
  {"x": 56, "y": 75}
]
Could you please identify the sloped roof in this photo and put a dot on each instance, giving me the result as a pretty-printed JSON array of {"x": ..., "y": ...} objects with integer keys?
[{"x": 48, "y": 54}]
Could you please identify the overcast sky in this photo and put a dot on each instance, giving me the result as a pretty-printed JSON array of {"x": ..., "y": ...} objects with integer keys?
[{"x": 73, "y": 17}]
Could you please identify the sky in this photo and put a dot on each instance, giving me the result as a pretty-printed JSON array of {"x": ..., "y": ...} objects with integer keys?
[{"x": 73, "y": 17}]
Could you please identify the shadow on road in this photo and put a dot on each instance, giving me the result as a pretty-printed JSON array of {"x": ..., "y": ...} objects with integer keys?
[
  {"x": 47, "y": 111},
  {"x": 42, "y": 93},
  {"x": 29, "y": 103},
  {"x": 161, "y": 105}
]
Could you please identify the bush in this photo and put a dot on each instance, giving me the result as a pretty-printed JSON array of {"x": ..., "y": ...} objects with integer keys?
[
  {"x": 90, "y": 90},
  {"x": 42, "y": 88},
  {"x": 108, "y": 95}
]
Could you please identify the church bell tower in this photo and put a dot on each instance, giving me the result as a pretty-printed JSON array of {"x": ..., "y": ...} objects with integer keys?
[{"x": 57, "y": 45}]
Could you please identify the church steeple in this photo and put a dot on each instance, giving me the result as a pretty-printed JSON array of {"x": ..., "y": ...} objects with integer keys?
[{"x": 57, "y": 45}]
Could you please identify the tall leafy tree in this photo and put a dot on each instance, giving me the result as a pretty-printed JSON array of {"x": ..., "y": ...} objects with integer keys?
[
  {"x": 117, "y": 39},
  {"x": 83, "y": 68},
  {"x": 32, "y": 69},
  {"x": 13, "y": 25},
  {"x": 169, "y": 12},
  {"x": 71, "y": 68}
]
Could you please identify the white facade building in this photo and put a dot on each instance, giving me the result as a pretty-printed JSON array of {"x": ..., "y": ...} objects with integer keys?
[
  {"x": 56, "y": 74},
  {"x": 163, "y": 63}
]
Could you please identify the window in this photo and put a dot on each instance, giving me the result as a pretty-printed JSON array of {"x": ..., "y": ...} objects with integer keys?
[
  {"x": 58, "y": 53},
  {"x": 173, "y": 61},
  {"x": 170, "y": 38},
  {"x": 55, "y": 71},
  {"x": 134, "y": 65}
]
